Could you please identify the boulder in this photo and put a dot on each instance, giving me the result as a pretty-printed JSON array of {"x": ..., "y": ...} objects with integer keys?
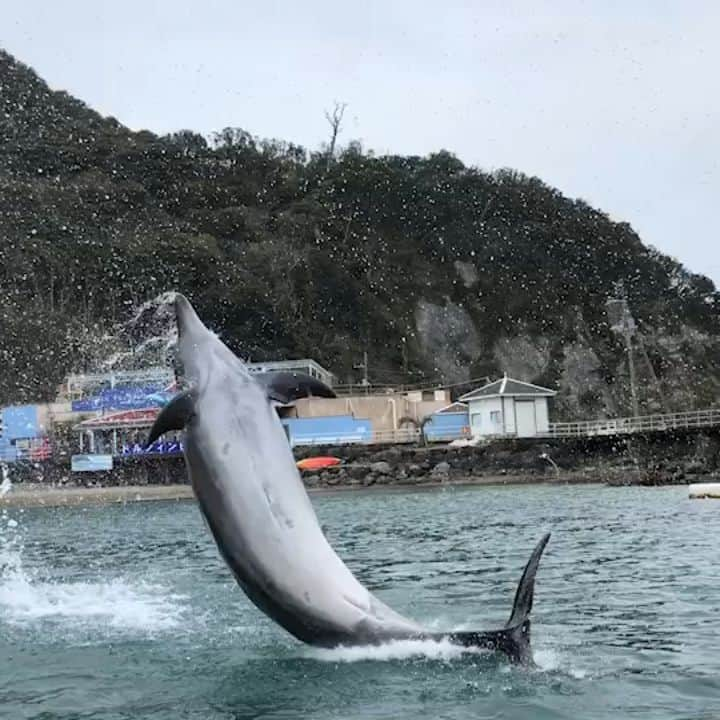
[
  {"x": 357, "y": 472},
  {"x": 392, "y": 454},
  {"x": 381, "y": 468}
]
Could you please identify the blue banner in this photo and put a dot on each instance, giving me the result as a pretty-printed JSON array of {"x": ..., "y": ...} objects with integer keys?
[{"x": 159, "y": 447}]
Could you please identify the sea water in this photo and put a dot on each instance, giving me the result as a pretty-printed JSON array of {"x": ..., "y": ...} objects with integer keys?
[{"x": 127, "y": 611}]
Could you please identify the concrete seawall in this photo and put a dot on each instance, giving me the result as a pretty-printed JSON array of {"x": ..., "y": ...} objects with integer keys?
[{"x": 44, "y": 495}]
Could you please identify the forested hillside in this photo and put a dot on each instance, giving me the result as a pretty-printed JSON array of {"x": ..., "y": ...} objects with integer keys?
[{"x": 441, "y": 272}]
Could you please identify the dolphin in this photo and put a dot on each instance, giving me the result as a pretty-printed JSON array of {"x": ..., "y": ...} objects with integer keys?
[
  {"x": 283, "y": 387},
  {"x": 249, "y": 491}
]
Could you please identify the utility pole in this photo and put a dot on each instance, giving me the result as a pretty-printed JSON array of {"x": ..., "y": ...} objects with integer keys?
[
  {"x": 623, "y": 323},
  {"x": 653, "y": 375},
  {"x": 405, "y": 360},
  {"x": 631, "y": 369},
  {"x": 364, "y": 367}
]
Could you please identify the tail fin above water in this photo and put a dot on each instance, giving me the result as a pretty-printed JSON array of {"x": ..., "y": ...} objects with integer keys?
[
  {"x": 519, "y": 623},
  {"x": 514, "y": 638},
  {"x": 522, "y": 605}
]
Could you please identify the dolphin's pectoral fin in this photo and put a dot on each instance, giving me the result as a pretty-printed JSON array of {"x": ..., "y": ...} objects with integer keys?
[
  {"x": 284, "y": 387},
  {"x": 174, "y": 416},
  {"x": 514, "y": 638}
]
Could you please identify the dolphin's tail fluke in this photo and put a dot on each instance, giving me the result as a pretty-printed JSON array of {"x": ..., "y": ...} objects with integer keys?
[
  {"x": 519, "y": 623},
  {"x": 526, "y": 587},
  {"x": 514, "y": 638}
]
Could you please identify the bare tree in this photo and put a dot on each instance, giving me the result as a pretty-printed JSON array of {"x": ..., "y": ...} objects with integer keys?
[{"x": 335, "y": 119}]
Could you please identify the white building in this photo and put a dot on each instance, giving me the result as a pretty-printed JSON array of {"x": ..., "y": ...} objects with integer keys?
[{"x": 508, "y": 407}]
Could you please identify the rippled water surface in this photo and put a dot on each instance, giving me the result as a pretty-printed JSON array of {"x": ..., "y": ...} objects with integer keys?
[{"x": 128, "y": 612}]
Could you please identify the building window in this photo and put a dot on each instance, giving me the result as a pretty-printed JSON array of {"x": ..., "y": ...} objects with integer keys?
[
  {"x": 475, "y": 419},
  {"x": 495, "y": 418}
]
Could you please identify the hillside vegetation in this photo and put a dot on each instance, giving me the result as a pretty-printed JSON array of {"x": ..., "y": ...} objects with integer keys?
[{"x": 441, "y": 272}]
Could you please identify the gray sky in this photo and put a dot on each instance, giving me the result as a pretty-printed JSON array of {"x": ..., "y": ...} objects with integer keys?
[{"x": 613, "y": 102}]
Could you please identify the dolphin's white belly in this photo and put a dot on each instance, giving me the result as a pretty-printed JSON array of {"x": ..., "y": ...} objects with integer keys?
[{"x": 266, "y": 527}]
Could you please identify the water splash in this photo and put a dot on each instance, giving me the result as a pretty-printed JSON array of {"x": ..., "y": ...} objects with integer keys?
[
  {"x": 5, "y": 485},
  {"x": 396, "y": 650},
  {"x": 32, "y": 598},
  {"x": 148, "y": 337},
  {"x": 546, "y": 659},
  {"x": 162, "y": 303},
  {"x": 551, "y": 660},
  {"x": 116, "y": 604}
]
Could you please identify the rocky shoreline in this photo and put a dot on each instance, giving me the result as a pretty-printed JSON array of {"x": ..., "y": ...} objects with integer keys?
[
  {"x": 43, "y": 495},
  {"x": 675, "y": 459}
]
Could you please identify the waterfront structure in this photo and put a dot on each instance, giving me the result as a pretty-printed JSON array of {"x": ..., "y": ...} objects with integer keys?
[
  {"x": 22, "y": 434},
  {"x": 136, "y": 389},
  {"x": 308, "y": 421},
  {"x": 451, "y": 422},
  {"x": 123, "y": 433},
  {"x": 508, "y": 408}
]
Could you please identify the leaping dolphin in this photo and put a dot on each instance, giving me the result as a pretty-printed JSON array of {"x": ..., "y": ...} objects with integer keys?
[{"x": 249, "y": 490}]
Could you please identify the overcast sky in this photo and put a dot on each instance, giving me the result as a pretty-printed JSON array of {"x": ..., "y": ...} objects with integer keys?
[{"x": 614, "y": 102}]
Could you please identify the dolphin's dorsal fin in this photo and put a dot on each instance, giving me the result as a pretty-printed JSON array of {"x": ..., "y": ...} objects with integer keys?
[{"x": 174, "y": 416}]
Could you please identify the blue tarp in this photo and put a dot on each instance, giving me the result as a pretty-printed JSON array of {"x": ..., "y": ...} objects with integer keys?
[
  {"x": 328, "y": 430},
  {"x": 91, "y": 463},
  {"x": 19, "y": 422},
  {"x": 444, "y": 427}
]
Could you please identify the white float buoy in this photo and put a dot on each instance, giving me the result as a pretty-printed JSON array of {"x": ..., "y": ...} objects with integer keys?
[{"x": 704, "y": 490}]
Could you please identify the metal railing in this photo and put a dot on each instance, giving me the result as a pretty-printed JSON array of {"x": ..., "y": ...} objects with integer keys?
[
  {"x": 78, "y": 385},
  {"x": 369, "y": 389},
  {"x": 306, "y": 365},
  {"x": 380, "y": 437},
  {"x": 34, "y": 450},
  {"x": 641, "y": 423},
  {"x": 401, "y": 435}
]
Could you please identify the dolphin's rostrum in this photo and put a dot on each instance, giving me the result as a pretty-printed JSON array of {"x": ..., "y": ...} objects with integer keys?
[{"x": 249, "y": 490}]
